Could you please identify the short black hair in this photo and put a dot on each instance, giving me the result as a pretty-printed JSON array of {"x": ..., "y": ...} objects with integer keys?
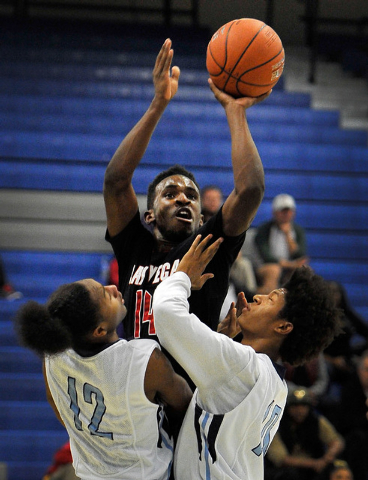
[
  {"x": 310, "y": 306},
  {"x": 174, "y": 170}
]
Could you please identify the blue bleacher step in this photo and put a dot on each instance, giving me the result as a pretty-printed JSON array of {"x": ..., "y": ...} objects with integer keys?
[
  {"x": 19, "y": 360},
  {"x": 100, "y": 148},
  {"x": 7, "y": 333},
  {"x": 70, "y": 264},
  {"x": 22, "y": 386},
  {"x": 29, "y": 470},
  {"x": 127, "y": 108},
  {"x": 31, "y": 446},
  {"x": 298, "y": 181},
  {"x": 169, "y": 129},
  {"x": 103, "y": 89},
  {"x": 27, "y": 415}
]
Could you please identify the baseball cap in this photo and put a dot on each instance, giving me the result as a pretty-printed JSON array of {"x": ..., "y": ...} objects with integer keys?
[
  {"x": 299, "y": 397},
  {"x": 283, "y": 201}
]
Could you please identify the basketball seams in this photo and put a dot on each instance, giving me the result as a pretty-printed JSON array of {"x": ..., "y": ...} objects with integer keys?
[
  {"x": 222, "y": 68},
  {"x": 261, "y": 64},
  {"x": 240, "y": 80},
  {"x": 241, "y": 56}
]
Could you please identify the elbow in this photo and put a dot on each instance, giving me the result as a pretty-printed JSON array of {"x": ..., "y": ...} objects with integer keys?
[{"x": 253, "y": 194}]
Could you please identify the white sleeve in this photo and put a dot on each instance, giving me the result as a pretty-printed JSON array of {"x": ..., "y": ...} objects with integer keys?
[{"x": 207, "y": 356}]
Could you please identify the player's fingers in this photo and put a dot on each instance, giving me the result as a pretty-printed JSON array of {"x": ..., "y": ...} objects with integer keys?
[
  {"x": 202, "y": 245},
  {"x": 162, "y": 51},
  {"x": 193, "y": 247},
  {"x": 175, "y": 73},
  {"x": 212, "y": 249},
  {"x": 205, "y": 277}
]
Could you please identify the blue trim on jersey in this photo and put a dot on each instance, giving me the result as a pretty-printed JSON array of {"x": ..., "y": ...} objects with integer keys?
[{"x": 206, "y": 451}]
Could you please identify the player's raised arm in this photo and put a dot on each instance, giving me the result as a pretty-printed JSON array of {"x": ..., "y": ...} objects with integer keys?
[
  {"x": 243, "y": 202},
  {"x": 120, "y": 199}
]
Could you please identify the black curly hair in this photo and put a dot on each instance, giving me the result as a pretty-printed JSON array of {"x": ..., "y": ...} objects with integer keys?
[
  {"x": 174, "y": 170},
  {"x": 311, "y": 308},
  {"x": 62, "y": 323}
]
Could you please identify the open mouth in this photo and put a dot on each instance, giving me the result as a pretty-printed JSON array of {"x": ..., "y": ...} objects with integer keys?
[{"x": 184, "y": 214}]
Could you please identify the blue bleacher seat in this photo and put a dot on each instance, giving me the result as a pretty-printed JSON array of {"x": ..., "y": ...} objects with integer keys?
[{"x": 28, "y": 415}]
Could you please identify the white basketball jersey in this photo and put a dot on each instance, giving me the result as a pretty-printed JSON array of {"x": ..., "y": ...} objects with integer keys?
[
  {"x": 232, "y": 445},
  {"x": 115, "y": 431}
]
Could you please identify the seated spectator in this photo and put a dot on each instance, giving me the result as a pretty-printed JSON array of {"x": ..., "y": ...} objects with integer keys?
[
  {"x": 311, "y": 377},
  {"x": 281, "y": 245},
  {"x": 242, "y": 276},
  {"x": 113, "y": 277},
  {"x": 340, "y": 471},
  {"x": 7, "y": 291},
  {"x": 62, "y": 465},
  {"x": 212, "y": 198},
  {"x": 305, "y": 445},
  {"x": 353, "y": 421},
  {"x": 340, "y": 354}
]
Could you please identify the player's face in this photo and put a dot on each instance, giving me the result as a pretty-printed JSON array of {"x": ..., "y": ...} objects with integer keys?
[
  {"x": 177, "y": 208},
  {"x": 298, "y": 412},
  {"x": 110, "y": 301},
  {"x": 258, "y": 318}
]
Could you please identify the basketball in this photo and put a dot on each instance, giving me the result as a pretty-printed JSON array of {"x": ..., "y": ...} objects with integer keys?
[{"x": 245, "y": 58}]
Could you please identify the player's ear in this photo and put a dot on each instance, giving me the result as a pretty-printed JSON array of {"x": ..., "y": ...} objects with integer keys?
[
  {"x": 283, "y": 327},
  {"x": 201, "y": 220},
  {"x": 99, "y": 331},
  {"x": 149, "y": 216}
]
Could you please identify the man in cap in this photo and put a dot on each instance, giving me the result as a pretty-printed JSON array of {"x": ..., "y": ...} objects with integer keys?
[
  {"x": 306, "y": 443},
  {"x": 281, "y": 245}
]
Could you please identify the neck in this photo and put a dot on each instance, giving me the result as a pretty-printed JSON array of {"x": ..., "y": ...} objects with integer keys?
[
  {"x": 262, "y": 345},
  {"x": 163, "y": 245}
]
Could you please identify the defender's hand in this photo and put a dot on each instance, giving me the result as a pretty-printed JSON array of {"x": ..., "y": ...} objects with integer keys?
[{"x": 196, "y": 260}]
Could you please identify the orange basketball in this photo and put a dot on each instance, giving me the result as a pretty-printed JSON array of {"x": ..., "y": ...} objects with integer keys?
[{"x": 245, "y": 58}]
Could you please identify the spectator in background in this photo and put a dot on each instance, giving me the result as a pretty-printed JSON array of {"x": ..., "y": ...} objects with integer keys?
[
  {"x": 6, "y": 289},
  {"x": 281, "y": 245},
  {"x": 242, "y": 276},
  {"x": 340, "y": 471},
  {"x": 311, "y": 377},
  {"x": 62, "y": 465},
  {"x": 353, "y": 422},
  {"x": 212, "y": 199},
  {"x": 340, "y": 354},
  {"x": 305, "y": 445}
]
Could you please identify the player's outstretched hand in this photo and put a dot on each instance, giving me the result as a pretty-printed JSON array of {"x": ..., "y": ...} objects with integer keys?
[
  {"x": 196, "y": 260},
  {"x": 226, "y": 99},
  {"x": 166, "y": 85},
  {"x": 229, "y": 325}
]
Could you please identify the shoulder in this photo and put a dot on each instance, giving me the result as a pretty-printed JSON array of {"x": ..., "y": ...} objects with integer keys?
[{"x": 143, "y": 345}]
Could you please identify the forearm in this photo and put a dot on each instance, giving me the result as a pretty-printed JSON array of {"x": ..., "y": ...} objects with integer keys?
[
  {"x": 183, "y": 335},
  {"x": 247, "y": 167},
  {"x": 334, "y": 449}
]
